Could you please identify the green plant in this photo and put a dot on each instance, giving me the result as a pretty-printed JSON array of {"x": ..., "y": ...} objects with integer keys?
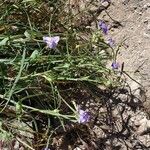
[{"x": 38, "y": 81}]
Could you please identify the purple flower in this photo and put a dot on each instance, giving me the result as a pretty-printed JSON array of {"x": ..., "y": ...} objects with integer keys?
[
  {"x": 115, "y": 65},
  {"x": 83, "y": 116},
  {"x": 111, "y": 42},
  {"x": 51, "y": 41},
  {"x": 103, "y": 27}
]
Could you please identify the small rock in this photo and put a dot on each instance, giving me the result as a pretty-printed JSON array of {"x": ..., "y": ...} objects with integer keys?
[
  {"x": 146, "y": 35},
  {"x": 148, "y": 27},
  {"x": 144, "y": 125},
  {"x": 146, "y": 6},
  {"x": 145, "y": 21},
  {"x": 140, "y": 13},
  {"x": 134, "y": 7},
  {"x": 105, "y": 3}
]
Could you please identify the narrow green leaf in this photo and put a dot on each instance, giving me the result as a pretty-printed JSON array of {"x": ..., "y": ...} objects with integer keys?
[{"x": 4, "y": 41}]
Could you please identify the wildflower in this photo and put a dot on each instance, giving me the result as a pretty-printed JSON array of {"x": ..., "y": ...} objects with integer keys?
[
  {"x": 111, "y": 42},
  {"x": 83, "y": 116},
  {"x": 103, "y": 27},
  {"x": 51, "y": 41},
  {"x": 115, "y": 65}
]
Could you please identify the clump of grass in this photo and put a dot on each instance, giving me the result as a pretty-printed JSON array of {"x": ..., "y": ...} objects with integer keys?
[{"x": 39, "y": 83}]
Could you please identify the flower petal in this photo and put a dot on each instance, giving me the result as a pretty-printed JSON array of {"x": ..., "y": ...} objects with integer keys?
[
  {"x": 46, "y": 39},
  {"x": 51, "y": 41},
  {"x": 83, "y": 116},
  {"x": 111, "y": 42},
  {"x": 56, "y": 39},
  {"x": 103, "y": 27},
  {"x": 115, "y": 65}
]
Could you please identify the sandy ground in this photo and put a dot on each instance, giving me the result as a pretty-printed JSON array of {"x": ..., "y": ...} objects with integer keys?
[{"x": 134, "y": 16}]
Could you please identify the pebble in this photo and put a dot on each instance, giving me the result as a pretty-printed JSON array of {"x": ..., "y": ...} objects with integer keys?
[
  {"x": 105, "y": 4},
  {"x": 146, "y": 6},
  {"x": 148, "y": 27},
  {"x": 140, "y": 13},
  {"x": 145, "y": 21},
  {"x": 146, "y": 35},
  {"x": 134, "y": 7}
]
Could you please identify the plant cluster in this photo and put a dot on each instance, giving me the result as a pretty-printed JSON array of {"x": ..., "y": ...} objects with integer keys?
[{"x": 47, "y": 61}]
